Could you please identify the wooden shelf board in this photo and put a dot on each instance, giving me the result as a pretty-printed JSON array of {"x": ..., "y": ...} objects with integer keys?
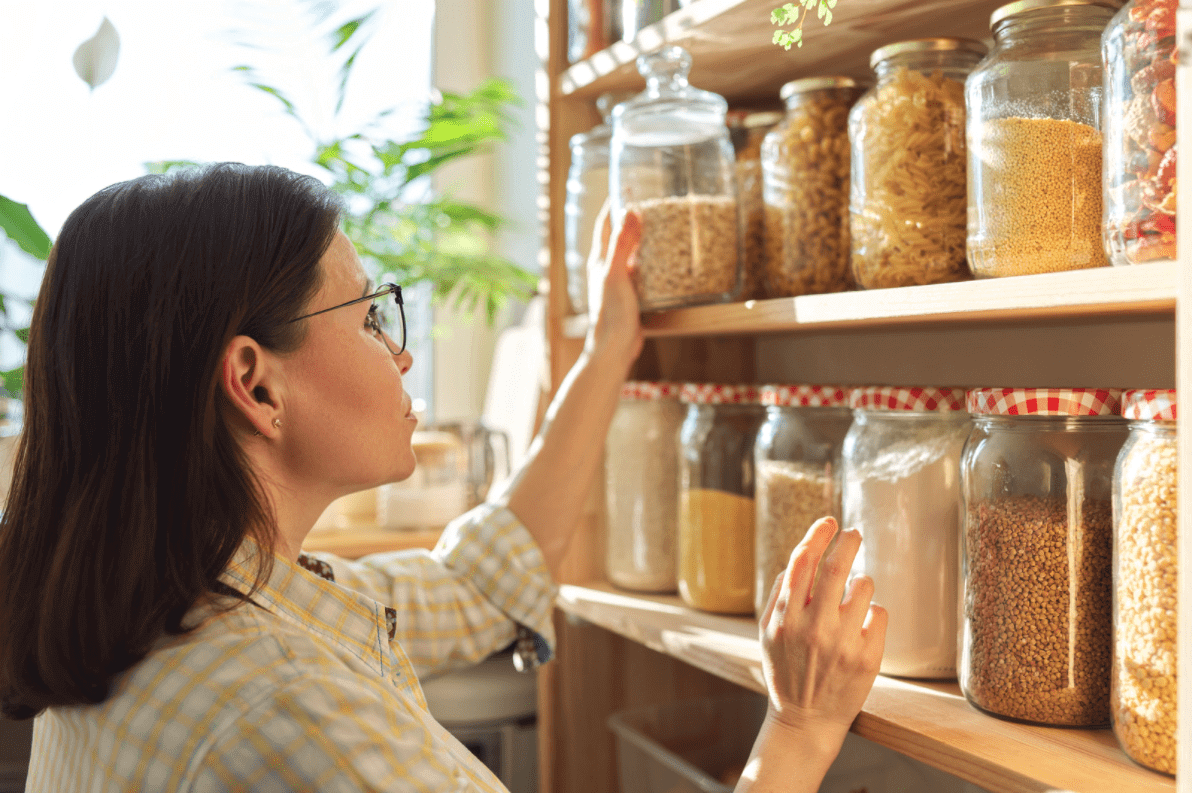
[
  {"x": 354, "y": 543},
  {"x": 928, "y": 721},
  {"x": 733, "y": 53},
  {"x": 1145, "y": 289}
]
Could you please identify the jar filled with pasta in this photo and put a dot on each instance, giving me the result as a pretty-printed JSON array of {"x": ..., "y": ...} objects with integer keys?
[
  {"x": 641, "y": 487},
  {"x": 805, "y": 164},
  {"x": 1034, "y": 138},
  {"x": 907, "y": 197},
  {"x": 1142, "y": 691},
  {"x": 587, "y": 190},
  {"x": 1140, "y": 120},
  {"x": 716, "y": 490},
  {"x": 747, "y": 130},
  {"x": 797, "y": 465},
  {"x": 672, "y": 163}
]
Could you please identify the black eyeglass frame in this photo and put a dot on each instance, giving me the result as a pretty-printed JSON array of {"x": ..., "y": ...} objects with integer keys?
[{"x": 386, "y": 289}]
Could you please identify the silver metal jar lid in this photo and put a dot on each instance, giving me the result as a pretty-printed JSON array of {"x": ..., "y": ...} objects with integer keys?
[
  {"x": 1016, "y": 8},
  {"x": 927, "y": 45},
  {"x": 806, "y": 84}
]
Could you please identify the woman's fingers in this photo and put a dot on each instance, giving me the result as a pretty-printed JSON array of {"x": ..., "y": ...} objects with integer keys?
[
  {"x": 806, "y": 559},
  {"x": 854, "y": 610},
  {"x": 628, "y": 237},
  {"x": 833, "y": 574}
]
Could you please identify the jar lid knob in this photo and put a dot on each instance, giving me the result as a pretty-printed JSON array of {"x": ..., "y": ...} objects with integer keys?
[{"x": 669, "y": 64}]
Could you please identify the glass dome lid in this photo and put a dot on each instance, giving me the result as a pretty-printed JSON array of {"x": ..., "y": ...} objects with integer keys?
[{"x": 670, "y": 112}]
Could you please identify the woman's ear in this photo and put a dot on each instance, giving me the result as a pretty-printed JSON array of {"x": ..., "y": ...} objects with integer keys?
[{"x": 249, "y": 385}]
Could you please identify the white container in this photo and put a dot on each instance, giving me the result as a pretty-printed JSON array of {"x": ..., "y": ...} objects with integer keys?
[
  {"x": 901, "y": 461},
  {"x": 435, "y": 494}
]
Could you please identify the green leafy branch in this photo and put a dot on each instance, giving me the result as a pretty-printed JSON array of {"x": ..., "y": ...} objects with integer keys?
[
  {"x": 794, "y": 14},
  {"x": 17, "y": 222}
]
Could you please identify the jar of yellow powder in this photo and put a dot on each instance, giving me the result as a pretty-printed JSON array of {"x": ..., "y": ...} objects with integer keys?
[{"x": 716, "y": 478}]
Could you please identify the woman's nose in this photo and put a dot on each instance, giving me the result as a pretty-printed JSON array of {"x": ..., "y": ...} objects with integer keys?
[{"x": 404, "y": 361}]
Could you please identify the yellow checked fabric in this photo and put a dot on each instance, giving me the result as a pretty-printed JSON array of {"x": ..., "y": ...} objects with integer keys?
[{"x": 304, "y": 688}]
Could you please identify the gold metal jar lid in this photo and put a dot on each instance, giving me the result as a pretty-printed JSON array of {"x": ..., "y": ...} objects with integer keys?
[
  {"x": 1016, "y": 8},
  {"x": 806, "y": 84},
  {"x": 927, "y": 45}
]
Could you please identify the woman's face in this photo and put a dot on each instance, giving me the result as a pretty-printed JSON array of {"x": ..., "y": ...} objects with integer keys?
[{"x": 348, "y": 420}]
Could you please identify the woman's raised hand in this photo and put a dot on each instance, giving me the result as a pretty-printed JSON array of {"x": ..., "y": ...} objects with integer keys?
[{"x": 612, "y": 298}]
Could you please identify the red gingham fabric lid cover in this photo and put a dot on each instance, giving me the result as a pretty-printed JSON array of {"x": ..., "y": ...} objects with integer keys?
[
  {"x": 803, "y": 396},
  {"x": 1045, "y": 401},
  {"x": 647, "y": 389},
  {"x": 1155, "y": 405},
  {"x": 914, "y": 398},
  {"x": 718, "y": 394}
]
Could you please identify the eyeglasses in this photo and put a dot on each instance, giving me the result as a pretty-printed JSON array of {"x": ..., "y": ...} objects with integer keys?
[{"x": 387, "y": 320}]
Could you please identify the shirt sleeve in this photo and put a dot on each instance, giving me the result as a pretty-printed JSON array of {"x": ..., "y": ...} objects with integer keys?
[{"x": 484, "y": 582}]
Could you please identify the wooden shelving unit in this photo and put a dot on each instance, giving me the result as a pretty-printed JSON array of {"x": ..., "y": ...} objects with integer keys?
[{"x": 354, "y": 543}]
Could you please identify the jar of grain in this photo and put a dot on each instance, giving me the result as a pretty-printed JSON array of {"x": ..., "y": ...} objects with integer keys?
[
  {"x": 1142, "y": 694},
  {"x": 797, "y": 464},
  {"x": 907, "y": 199},
  {"x": 1140, "y": 120},
  {"x": 901, "y": 465},
  {"x": 1034, "y": 137},
  {"x": 641, "y": 487},
  {"x": 587, "y": 190},
  {"x": 673, "y": 164},
  {"x": 805, "y": 165},
  {"x": 747, "y": 129},
  {"x": 716, "y": 516},
  {"x": 1037, "y": 480}
]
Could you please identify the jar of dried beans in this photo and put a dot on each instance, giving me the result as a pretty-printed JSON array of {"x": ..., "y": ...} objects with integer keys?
[
  {"x": 797, "y": 464},
  {"x": 587, "y": 190},
  {"x": 1034, "y": 140},
  {"x": 907, "y": 199},
  {"x": 1142, "y": 691},
  {"x": 1037, "y": 481},
  {"x": 672, "y": 163},
  {"x": 716, "y": 488},
  {"x": 1140, "y": 151},
  {"x": 805, "y": 171},
  {"x": 747, "y": 130},
  {"x": 901, "y": 461},
  {"x": 641, "y": 487}
]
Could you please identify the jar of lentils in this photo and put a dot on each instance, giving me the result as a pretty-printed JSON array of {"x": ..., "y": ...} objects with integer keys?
[
  {"x": 1034, "y": 140},
  {"x": 901, "y": 462},
  {"x": 797, "y": 464},
  {"x": 1037, "y": 482},
  {"x": 716, "y": 490},
  {"x": 907, "y": 198},
  {"x": 1145, "y": 591},
  {"x": 641, "y": 487}
]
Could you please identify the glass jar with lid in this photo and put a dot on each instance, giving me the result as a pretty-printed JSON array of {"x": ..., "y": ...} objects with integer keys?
[
  {"x": 907, "y": 195},
  {"x": 672, "y": 163},
  {"x": 641, "y": 487},
  {"x": 901, "y": 463},
  {"x": 587, "y": 190},
  {"x": 1037, "y": 481},
  {"x": 797, "y": 466},
  {"x": 716, "y": 488},
  {"x": 1034, "y": 138},
  {"x": 1142, "y": 694},
  {"x": 805, "y": 171},
  {"x": 1140, "y": 120},
  {"x": 747, "y": 129}
]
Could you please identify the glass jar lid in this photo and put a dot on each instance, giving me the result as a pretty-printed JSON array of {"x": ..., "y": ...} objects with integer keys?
[
  {"x": 1045, "y": 401},
  {"x": 823, "y": 396},
  {"x": 921, "y": 399},
  {"x": 1150, "y": 405},
  {"x": 599, "y": 135},
  {"x": 927, "y": 45},
  {"x": 718, "y": 394},
  {"x": 806, "y": 84},
  {"x": 670, "y": 112},
  {"x": 1021, "y": 6},
  {"x": 649, "y": 389}
]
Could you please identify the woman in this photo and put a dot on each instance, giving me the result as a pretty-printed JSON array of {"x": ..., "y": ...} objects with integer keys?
[{"x": 208, "y": 368}]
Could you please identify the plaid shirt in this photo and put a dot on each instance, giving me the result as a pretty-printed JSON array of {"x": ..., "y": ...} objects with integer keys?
[{"x": 314, "y": 684}]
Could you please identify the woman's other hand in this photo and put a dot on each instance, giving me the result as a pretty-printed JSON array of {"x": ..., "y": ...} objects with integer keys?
[{"x": 612, "y": 299}]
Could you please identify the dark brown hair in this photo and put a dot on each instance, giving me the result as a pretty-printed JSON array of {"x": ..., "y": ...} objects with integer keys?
[{"x": 130, "y": 494}]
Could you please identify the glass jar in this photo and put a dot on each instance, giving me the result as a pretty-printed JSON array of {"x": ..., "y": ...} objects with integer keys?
[
  {"x": 747, "y": 129},
  {"x": 1037, "y": 481},
  {"x": 641, "y": 487},
  {"x": 901, "y": 461},
  {"x": 587, "y": 190},
  {"x": 797, "y": 463},
  {"x": 673, "y": 164},
  {"x": 907, "y": 195},
  {"x": 716, "y": 516},
  {"x": 1034, "y": 121},
  {"x": 1140, "y": 120},
  {"x": 805, "y": 171},
  {"x": 1142, "y": 693}
]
